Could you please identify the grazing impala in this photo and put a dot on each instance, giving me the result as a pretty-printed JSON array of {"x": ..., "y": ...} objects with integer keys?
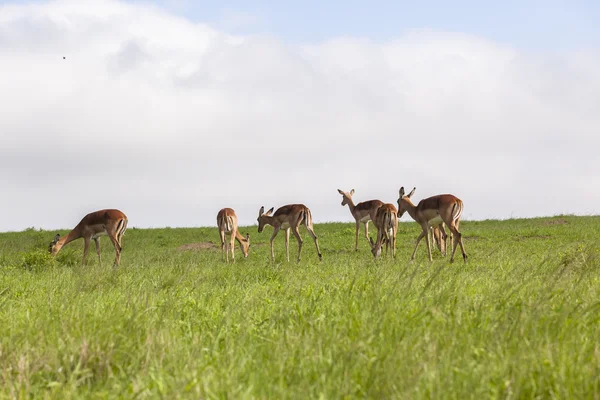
[
  {"x": 228, "y": 224},
  {"x": 104, "y": 222},
  {"x": 439, "y": 237},
  {"x": 288, "y": 217},
  {"x": 386, "y": 222},
  {"x": 432, "y": 211},
  {"x": 362, "y": 212}
]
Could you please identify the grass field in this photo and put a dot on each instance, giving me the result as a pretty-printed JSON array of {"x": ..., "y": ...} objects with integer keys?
[{"x": 520, "y": 320}]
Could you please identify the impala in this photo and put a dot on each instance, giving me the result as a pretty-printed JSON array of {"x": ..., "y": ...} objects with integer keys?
[
  {"x": 362, "y": 212},
  {"x": 104, "y": 222},
  {"x": 288, "y": 217},
  {"x": 432, "y": 211},
  {"x": 386, "y": 222},
  {"x": 228, "y": 224},
  {"x": 439, "y": 237}
]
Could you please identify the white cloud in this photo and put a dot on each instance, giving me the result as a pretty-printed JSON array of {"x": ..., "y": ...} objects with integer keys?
[{"x": 170, "y": 120}]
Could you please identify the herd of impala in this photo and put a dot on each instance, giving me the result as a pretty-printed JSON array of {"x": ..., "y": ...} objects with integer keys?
[{"x": 431, "y": 214}]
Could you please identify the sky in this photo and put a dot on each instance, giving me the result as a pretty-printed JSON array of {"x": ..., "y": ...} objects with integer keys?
[
  {"x": 533, "y": 24},
  {"x": 171, "y": 110}
]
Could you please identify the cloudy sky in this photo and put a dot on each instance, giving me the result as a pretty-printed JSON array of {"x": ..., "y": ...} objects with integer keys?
[{"x": 171, "y": 110}]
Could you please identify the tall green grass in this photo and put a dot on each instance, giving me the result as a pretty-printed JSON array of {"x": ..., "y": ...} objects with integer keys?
[{"x": 520, "y": 320}]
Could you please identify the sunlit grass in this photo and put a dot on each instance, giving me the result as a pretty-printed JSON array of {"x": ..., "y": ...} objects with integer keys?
[{"x": 520, "y": 320}]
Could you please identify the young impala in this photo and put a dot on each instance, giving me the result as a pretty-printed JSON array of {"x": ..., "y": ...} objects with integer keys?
[
  {"x": 104, "y": 222},
  {"x": 228, "y": 224},
  {"x": 432, "y": 211},
  {"x": 362, "y": 212},
  {"x": 386, "y": 222},
  {"x": 288, "y": 217},
  {"x": 439, "y": 236}
]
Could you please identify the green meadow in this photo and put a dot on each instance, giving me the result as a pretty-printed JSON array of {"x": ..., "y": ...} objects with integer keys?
[{"x": 520, "y": 320}]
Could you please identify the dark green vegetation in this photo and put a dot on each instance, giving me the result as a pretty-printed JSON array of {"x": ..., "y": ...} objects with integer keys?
[{"x": 520, "y": 320}]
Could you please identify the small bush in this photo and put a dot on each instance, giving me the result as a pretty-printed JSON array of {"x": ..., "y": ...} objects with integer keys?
[{"x": 37, "y": 260}]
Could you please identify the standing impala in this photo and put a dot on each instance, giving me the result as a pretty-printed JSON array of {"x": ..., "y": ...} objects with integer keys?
[
  {"x": 432, "y": 211},
  {"x": 104, "y": 222},
  {"x": 228, "y": 224},
  {"x": 362, "y": 212},
  {"x": 288, "y": 217},
  {"x": 386, "y": 222}
]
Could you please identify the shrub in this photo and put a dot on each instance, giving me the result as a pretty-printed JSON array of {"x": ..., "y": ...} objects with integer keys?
[{"x": 37, "y": 260}]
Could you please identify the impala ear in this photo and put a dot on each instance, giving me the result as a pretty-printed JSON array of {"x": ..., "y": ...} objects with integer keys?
[
  {"x": 401, "y": 192},
  {"x": 56, "y": 238},
  {"x": 247, "y": 236},
  {"x": 340, "y": 192},
  {"x": 261, "y": 211},
  {"x": 270, "y": 211},
  {"x": 351, "y": 192},
  {"x": 411, "y": 192}
]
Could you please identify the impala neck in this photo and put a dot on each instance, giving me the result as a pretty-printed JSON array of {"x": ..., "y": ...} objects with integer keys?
[
  {"x": 239, "y": 237},
  {"x": 351, "y": 204},
  {"x": 411, "y": 209},
  {"x": 73, "y": 235}
]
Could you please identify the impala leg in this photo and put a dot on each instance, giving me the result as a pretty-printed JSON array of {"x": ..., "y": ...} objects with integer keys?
[
  {"x": 429, "y": 232},
  {"x": 443, "y": 240},
  {"x": 379, "y": 243},
  {"x": 97, "y": 241},
  {"x": 357, "y": 230},
  {"x": 232, "y": 246},
  {"x": 366, "y": 232},
  {"x": 457, "y": 226},
  {"x": 435, "y": 237},
  {"x": 423, "y": 233},
  {"x": 86, "y": 248},
  {"x": 312, "y": 233},
  {"x": 223, "y": 246},
  {"x": 387, "y": 245},
  {"x": 299, "y": 239},
  {"x": 426, "y": 229},
  {"x": 457, "y": 237},
  {"x": 287, "y": 245},
  {"x": 115, "y": 243},
  {"x": 275, "y": 231}
]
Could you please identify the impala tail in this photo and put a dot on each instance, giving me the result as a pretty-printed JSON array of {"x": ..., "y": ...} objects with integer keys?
[
  {"x": 121, "y": 227},
  {"x": 226, "y": 223},
  {"x": 389, "y": 223},
  {"x": 457, "y": 210},
  {"x": 307, "y": 217},
  {"x": 120, "y": 230}
]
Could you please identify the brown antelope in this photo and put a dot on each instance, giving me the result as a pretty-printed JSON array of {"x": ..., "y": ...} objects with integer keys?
[
  {"x": 288, "y": 217},
  {"x": 439, "y": 236},
  {"x": 228, "y": 224},
  {"x": 386, "y": 222},
  {"x": 104, "y": 222},
  {"x": 432, "y": 211},
  {"x": 362, "y": 212}
]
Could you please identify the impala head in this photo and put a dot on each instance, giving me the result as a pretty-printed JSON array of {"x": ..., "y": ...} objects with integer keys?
[
  {"x": 245, "y": 245},
  {"x": 346, "y": 196},
  {"x": 261, "y": 218},
  {"x": 403, "y": 200},
  {"x": 52, "y": 247},
  {"x": 375, "y": 249}
]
